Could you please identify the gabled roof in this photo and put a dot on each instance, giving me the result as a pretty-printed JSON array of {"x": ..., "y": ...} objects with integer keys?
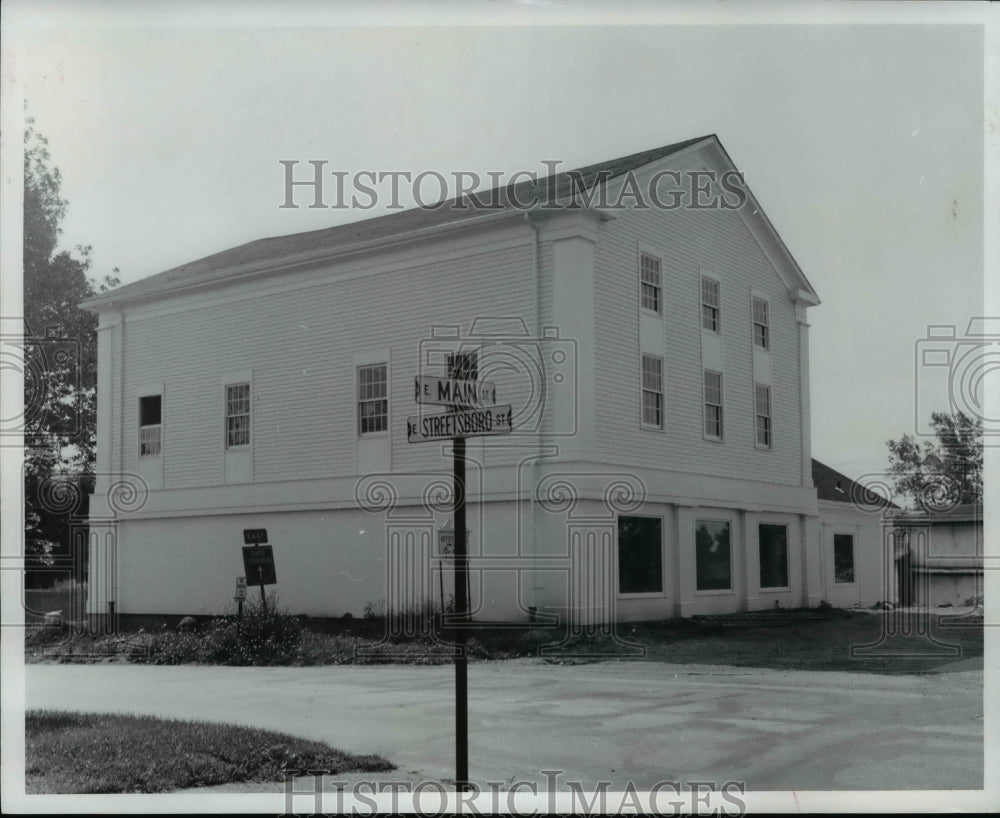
[
  {"x": 283, "y": 249},
  {"x": 832, "y": 485}
]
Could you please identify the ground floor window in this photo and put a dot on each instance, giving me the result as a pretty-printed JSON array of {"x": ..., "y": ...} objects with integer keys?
[
  {"x": 843, "y": 558},
  {"x": 712, "y": 555},
  {"x": 640, "y": 555},
  {"x": 773, "y": 550}
]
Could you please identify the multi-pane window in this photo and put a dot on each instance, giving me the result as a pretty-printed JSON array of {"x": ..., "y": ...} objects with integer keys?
[
  {"x": 640, "y": 555},
  {"x": 150, "y": 425},
  {"x": 651, "y": 282},
  {"x": 713, "y": 569},
  {"x": 773, "y": 555},
  {"x": 373, "y": 398},
  {"x": 761, "y": 330},
  {"x": 710, "y": 304},
  {"x": 713, "y": 404},
  {"x": 237, "y": 415},
  {"x": 843, "y": 558},
  {"x": 463, "y": 366},
  {"x": 652, "y": 391},
  {"x": 762, "y": 414}
]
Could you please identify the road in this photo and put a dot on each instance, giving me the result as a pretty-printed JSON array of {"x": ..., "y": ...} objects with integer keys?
[{"x": 639, "y": 722}]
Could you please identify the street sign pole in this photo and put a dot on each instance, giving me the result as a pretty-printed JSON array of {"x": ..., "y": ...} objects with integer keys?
[
  {"x": 461, "y": 615},
  {"x": 263, "y": 596}
]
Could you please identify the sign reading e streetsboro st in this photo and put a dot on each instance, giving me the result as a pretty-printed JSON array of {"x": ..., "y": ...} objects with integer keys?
[
  {"x": 496, "y": 420},
  {"x": 449, "y": 392}
]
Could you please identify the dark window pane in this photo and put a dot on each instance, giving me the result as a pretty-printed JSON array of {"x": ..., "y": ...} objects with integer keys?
[
  {"x": 773, "y": 556},
  {"x": 712, "y": 555},
  {"x": 640, "y": 560},
  {"x": 149, "y": 410},
  {"x": 843, "y": 557}
]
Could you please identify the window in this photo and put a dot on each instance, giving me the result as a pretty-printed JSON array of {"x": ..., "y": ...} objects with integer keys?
[
  {"x": 773, "y": 549},
  {"x": 373, "y": 399},
  {"x": 640, "y": 555},
  {"x": 712, "y": 564},
  {"x": 710, "y": 304},
  {"x": 713, "y": 404},
  {"x": 652, "y": 391},
  {"x": 237, "y": 415},
  {"x": 762, "y": 400},
  {"x": 150, "y": 425},
  {"x": 843, "y": 558},
  {"x": 463, "y": 366},
  {"x": 760, "y": 326},
  {"x": 651, "y": 282}
]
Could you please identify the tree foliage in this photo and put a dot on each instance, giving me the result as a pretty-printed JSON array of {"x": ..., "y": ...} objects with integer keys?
[
  {"x": 937, "y": 475},
  {"x": 60, "y": 363}
]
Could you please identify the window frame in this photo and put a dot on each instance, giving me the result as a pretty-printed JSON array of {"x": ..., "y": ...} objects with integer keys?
[
  {"x": 762, "y": 339},
  {"x": 149, "y": 426},
  {"x": 729, "y": 526},
  {"x": 362, "y": 400},
  {"x": 656, "y": 286},
  {"x": 720, "y": 406},
  {"x": 854, "y": 563},
  {"x": 760, "y": 561},
  {"x": 647, "y": 389},
  {"x": 662, "y": 590},
  {"x": 711, "y": 312},
  {"x": 759, "y": 416},
  {"x": 227, "y": 401}
]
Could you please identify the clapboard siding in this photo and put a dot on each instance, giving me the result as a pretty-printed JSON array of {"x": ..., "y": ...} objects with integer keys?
[
  {"x": 719, "y": 242},
  {"x": 300, "y": 344}
]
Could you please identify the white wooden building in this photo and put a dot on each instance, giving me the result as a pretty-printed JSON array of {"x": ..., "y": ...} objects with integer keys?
[{"x": 657, "y": 363}]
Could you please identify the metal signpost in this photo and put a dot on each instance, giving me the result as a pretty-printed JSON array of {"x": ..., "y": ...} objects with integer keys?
[
  {"x": 472, "y": 414},
  {"x": 258, "y": 561}
]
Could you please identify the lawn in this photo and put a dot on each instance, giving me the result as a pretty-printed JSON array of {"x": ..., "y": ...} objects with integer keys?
[{"x": 108, "y": 753}]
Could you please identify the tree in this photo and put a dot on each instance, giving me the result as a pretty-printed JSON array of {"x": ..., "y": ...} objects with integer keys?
[
  {"x": 942, "y": 474},
  {"x": 60, "y": 364}
]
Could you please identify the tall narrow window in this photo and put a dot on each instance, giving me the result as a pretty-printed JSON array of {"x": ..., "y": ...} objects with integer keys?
[
  {"x": 237, "y": 415},
  {"x": 464, "y": 366},
  {"x": 710, "y": 304},
  {"x": 649, "y": 268},
  {"x": 373, "y": 399},
  {"x": 713, "y": 404},
  {"x": 843, "y": 558},
  {"x": 640, "y": 555},
  {"x": 150, "y": 425},
  {"x": 773, "y": 551},
  {"x": 761, "y": 331},
  {"x": 713, "y": 567},
  {"x": 652, "y": 391},
  {"x": 762, "y": 399}
]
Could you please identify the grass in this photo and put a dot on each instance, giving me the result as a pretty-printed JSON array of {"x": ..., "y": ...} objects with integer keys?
[{"x": 69, "y": 752}]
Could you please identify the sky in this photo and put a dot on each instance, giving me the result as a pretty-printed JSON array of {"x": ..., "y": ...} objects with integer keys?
[{"x": 863, "y": 143}]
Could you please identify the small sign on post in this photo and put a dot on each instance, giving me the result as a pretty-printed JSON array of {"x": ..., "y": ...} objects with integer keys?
[{"x": 258, "y": 562}]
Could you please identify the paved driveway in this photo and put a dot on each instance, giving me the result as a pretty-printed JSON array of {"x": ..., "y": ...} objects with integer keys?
[{"x": 642, "y": 722}]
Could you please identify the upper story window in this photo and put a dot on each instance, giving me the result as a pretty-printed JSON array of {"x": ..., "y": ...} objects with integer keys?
[
  {"x": 652, "y": 391},
  {"x": 150, "y": 425},
  {"x": 762, "y": 400},
  {"x": 710, "y": 317},
  {"x": 373, "y": 398},
  {"x": 761, "y": 328},
  {"x": 237, "y": 415},
  {"x": 651, "y": 282},
  {"x": 463, "y": 366},
  {"x": 713, "y": 404}
]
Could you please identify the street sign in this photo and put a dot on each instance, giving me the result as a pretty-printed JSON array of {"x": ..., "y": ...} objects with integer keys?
[
  {"x": 258, "y": 562},
  {"x": 494, "y": 420},
  {"x": 254, "y": 535},
  {"x": 241, "y": 588},
  {"x": 450, "y": 392}
]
